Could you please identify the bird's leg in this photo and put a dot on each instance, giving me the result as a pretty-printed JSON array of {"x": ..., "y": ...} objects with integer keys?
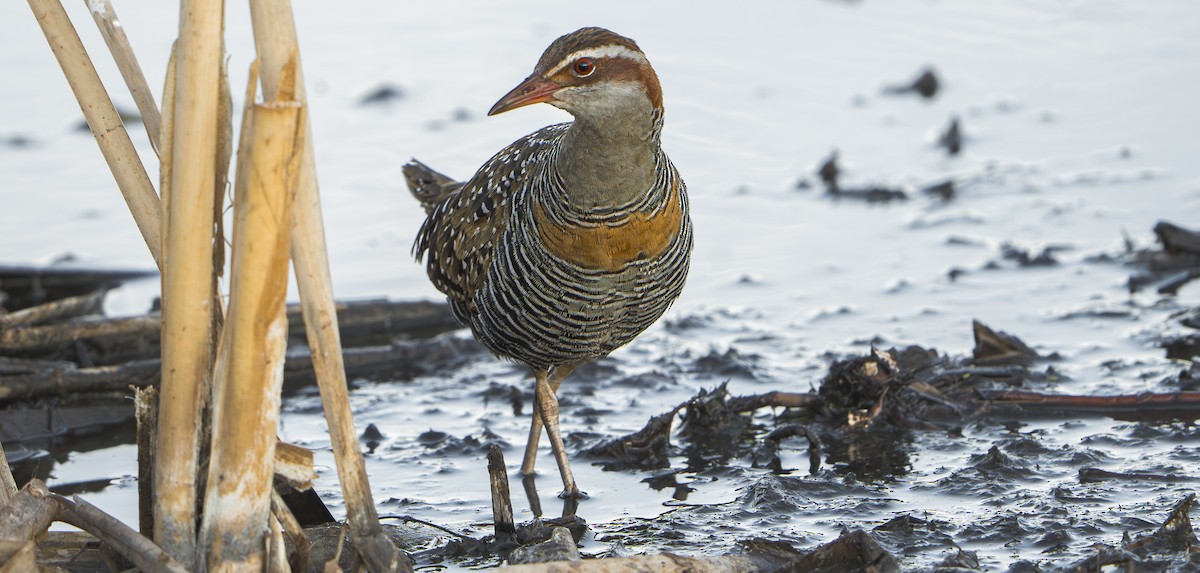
[
  {"x": 557, "y": 374},
  {"x": 549, "y": 412}
]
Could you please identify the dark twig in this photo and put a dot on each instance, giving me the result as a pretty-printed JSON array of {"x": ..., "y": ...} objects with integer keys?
[
  {"x": 772, "y": 399},
  {"x": 1184, "y": 405},
  {"x": 411, "y": 519},
  {"x": 1089, "y": 475}
]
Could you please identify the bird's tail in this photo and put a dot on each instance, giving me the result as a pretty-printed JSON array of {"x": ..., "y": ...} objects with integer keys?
[{"x": 428, "y": 186}]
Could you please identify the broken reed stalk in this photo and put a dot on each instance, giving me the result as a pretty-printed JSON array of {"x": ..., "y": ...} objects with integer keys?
[
  {"x": 130, "y": 544},
  {"x": 145, "y": 407},
  {"x": 247, "y": 395},
  {"x": 29, "y": 514},
  {"x": 187, "y": 278},
  {"x": 18, "y": 556},
  {"x": 118, "y": 43},
  {"x": 23, "y": 520},
  {"x": 276, "y": 549},
  {"x": 301, "y": 557},
  {"x": 104, "y": 121},
  {"x": 275, "y": 40},
  {"x": 8, "y": 486}
]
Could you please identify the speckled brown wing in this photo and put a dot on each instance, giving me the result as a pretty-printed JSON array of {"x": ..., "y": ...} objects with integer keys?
[{"x": 465, "y": 226}]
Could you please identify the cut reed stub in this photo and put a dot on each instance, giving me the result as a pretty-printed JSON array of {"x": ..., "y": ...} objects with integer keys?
[{"x": 247, "y": 395}]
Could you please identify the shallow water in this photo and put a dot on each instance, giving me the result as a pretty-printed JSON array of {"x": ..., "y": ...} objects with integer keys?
[{"x": 1079, "y": 122}]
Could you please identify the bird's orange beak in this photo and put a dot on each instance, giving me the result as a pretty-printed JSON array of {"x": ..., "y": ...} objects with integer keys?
[{"x": 535, "y": 89}]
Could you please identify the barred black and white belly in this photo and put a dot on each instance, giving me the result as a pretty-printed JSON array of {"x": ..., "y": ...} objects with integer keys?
[{"x": 543, "y": 309}]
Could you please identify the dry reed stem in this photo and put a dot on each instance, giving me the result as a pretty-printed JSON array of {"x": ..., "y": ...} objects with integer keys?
[
  {"x": 8, "y": 486},
  {"x": 276, "y": 550},
  {"x": 224, "y": 154},
  {"x": 187, "y": 279},
  {"x": 301, "y": 557},
  {"x": 17, "y": 557},
  {"x": 104, "y": 121},
  {"x": 166, "y": 144},
  {"x": 118, "y": 43},
  {"x": 275, "y": 39},
  {"x": 247, "y": 395}
]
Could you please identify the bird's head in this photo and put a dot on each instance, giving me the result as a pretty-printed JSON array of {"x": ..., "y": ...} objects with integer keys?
[{"x": 590, "y": 73}]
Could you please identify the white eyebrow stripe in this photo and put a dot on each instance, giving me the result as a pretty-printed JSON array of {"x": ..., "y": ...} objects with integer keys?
[{"x": 609, "y": 51}]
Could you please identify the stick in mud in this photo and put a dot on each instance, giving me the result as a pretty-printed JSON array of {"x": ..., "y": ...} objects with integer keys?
[
  {"x": 145, "y": 405},
  {"x": 502, "y": 511}
]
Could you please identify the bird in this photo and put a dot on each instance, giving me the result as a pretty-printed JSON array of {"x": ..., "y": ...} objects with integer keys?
[{"x": 571, "y": 241}]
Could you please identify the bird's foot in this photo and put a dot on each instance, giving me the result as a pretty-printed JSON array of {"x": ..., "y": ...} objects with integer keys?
[{"x": 573, "y": 492}]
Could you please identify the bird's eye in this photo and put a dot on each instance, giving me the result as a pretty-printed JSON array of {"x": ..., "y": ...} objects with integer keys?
[{"x": 584, "y": 67}]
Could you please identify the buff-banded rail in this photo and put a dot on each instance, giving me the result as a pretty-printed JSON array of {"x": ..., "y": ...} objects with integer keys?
[{"x": 574, "y": 239}]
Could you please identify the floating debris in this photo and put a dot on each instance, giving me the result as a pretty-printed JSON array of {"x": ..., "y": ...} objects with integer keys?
[
  {"x": 952, "y": 138},
  {"x": 1168, "y": 270},
  {"x": 829, "y": 173},
  {"x": 944, "y": 190},
  {"x": 383, "y": 94},
  {"x": 926, "y": 84}
]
